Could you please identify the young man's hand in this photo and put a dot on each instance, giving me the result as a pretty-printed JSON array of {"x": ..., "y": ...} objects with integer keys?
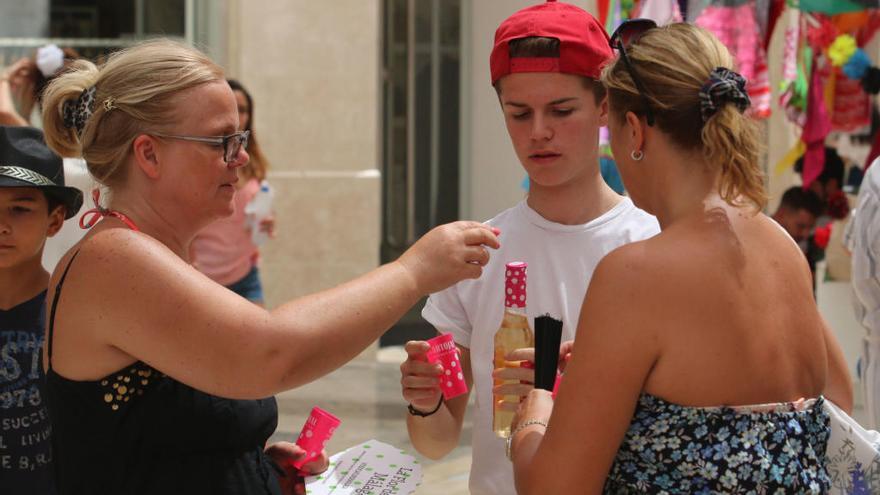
[{"x": 420, "y": 380}]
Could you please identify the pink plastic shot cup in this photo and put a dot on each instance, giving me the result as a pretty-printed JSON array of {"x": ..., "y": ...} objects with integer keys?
[
  {"x": 315, "y": 434},
  {"x": 444, "y": 352}
]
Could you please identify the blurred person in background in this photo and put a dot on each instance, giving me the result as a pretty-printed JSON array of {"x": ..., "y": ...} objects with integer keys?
[
  {"x": 22, "y": 84},
  {"x": 798, "y": 211},
  {"x": 225, "y": 250}
]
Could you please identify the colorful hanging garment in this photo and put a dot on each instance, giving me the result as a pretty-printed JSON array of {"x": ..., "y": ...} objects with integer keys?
[
  {"x": 775, "y": 11},
  {"x": 851, "y": 108},
  {"x": 739, "y": 29},
  {"x": 615, "y": 15},
  {"x": 602, "y": 11},
  {"x": 683, "y": 8},
  {"x": 817, "y": 127},
  {"x": 661, "y": 11},
  {"x": 796, "y": 59},
  {"x": 832, "y": 7}
]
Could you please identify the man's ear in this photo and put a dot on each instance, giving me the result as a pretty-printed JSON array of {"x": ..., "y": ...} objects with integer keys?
[
  {"x": 146, "y": 154},
  {"x": 56, "y": 220},
  {"x": 603, "y": 112}
]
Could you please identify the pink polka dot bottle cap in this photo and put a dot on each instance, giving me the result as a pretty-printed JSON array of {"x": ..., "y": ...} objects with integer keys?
[
  {"x": 515, "y": 284},
  {"x": 444, "y": 352}
]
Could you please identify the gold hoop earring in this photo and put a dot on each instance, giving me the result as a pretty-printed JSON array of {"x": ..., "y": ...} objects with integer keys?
[{"x": 637, "y": 155}]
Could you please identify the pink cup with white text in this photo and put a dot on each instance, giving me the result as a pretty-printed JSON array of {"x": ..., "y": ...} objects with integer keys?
[
  {"x": 444, "y": 352},
  {"x": 315, "y": 434}
]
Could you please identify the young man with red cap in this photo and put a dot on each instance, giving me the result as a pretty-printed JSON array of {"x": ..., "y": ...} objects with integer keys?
[{"x": 545, "y": 65}]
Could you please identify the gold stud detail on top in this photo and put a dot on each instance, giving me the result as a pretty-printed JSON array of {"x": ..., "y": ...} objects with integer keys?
[{"x": 120, "y": 388}]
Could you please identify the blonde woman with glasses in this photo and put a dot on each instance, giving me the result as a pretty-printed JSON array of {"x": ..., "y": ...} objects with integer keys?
[{"x": 159, "y": 380}]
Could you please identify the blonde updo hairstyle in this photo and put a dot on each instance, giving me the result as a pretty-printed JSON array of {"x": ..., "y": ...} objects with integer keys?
[
  {"x": 136, "y": 93},
  {"x": 673, "y": 62}
]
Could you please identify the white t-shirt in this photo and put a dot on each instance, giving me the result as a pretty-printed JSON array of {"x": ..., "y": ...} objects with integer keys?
[
  {"x": 76, "y": 174},
  {"x": 561, "y": 260}
]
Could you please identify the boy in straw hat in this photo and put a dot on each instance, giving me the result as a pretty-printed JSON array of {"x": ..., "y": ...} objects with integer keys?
[{"x": 34, "y": 202}]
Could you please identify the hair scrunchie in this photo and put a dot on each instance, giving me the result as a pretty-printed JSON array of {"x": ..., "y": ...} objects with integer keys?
[
  {"x": 77, "y": 112},
  {"x": 50, "y": 60},
  {"x": 723, "y": 86}
]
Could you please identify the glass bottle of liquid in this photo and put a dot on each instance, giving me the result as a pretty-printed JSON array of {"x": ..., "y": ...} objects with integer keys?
[{"x": 514, "y": 333}]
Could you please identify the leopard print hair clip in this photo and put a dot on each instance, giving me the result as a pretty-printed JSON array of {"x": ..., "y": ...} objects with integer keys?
[{"x": 77, "y": 112}]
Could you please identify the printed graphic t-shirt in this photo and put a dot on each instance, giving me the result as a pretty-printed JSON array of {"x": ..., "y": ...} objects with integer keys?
[{"x": 25, "y": 452}]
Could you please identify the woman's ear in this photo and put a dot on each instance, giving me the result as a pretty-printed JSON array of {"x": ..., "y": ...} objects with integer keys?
[
  {"x": 635, "y": 131},
  {"x": 146, "y": 154}
]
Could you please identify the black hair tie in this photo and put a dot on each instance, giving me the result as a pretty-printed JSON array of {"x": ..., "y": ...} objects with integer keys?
[{"x": 723, "y": 86}]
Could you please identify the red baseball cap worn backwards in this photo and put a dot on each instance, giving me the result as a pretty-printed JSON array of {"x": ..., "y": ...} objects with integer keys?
[{"x": 583, "y": 42}]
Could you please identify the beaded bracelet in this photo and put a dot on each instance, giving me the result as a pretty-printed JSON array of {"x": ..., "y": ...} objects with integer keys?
[{"x": 519, "y": 427}]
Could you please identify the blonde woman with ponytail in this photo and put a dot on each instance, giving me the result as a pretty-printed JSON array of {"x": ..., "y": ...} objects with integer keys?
[
  {"x": 159, "y": 380},
  {"x": 701, "y": 362}
]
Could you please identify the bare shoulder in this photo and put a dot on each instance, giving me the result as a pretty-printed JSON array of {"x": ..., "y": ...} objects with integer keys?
[
  {"x": 634, "y": 262},
  {"x": 124, "y": 274},
  {"x": 128, "y": 273},
  {"x": 621, "y": 302},
  {"x": 650, "y": 279},
  {"x": 124, "y": 255},
  {"x": 152, "y": 307},
  {"x": 772, "y": 232},
  {"x": 124, "y": 246},
  {"x": 626, "y": 279}
]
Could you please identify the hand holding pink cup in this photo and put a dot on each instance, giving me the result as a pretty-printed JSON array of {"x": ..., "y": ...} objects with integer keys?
[
  {"x": 315, "y": 434},
  {"x": 444, "y": 352}
]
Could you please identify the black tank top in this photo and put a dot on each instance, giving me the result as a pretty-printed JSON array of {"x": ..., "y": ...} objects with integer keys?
[{"x": 138, "y": 431}]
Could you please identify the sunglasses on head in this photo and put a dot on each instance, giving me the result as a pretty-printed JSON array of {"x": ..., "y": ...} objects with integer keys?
[{"x": 625, "y": 35}]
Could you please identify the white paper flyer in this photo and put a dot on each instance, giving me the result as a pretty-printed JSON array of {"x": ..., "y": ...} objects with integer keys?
[{"x": 371, "y": 468}]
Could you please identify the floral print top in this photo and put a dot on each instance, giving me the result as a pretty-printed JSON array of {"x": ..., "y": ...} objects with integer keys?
[{"x": 773, "y": 448}]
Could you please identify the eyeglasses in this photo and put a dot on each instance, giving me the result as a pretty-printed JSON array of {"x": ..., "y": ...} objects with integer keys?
[
  {"x": 231, "y": 144},
  {"x": 626, "y": 34}
]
